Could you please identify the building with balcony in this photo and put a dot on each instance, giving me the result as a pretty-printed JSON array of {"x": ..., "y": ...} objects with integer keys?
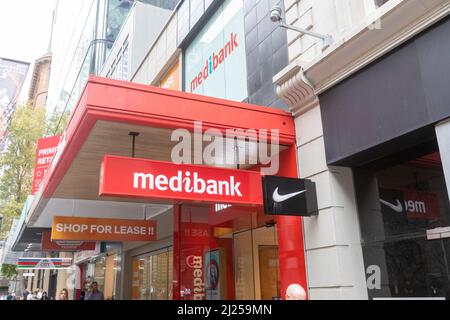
[{"x": 38, "y": 91}]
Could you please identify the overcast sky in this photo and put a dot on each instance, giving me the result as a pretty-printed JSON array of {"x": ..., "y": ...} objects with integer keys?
[{"x": 25, "y": 31}]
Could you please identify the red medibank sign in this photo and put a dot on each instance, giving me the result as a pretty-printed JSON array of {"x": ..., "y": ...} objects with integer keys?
[{"x": 131, "y": 177}]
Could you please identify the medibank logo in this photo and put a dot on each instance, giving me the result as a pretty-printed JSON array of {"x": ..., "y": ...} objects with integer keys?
[
  {"x": 186, "y": 183},
  {"x": 214, "y": 61}
]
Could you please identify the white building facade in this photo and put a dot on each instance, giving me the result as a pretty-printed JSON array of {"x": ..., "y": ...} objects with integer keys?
[{"x": 344, "y": 259}]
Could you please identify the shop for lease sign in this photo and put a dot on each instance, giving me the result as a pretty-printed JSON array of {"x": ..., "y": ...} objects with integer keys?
[{"x": 93, "y": 229}]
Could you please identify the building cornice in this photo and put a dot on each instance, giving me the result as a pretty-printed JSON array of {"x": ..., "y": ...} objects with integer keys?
[
  {"x": 294, "y": 89},
  {"x": 300, "y": 83}
]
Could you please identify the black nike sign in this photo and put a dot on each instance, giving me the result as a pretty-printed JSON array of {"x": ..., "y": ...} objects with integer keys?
[{"x": 289, "y": 196}]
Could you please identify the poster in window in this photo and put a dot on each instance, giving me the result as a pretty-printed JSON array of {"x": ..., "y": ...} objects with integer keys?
[{"x": 215, "y": 274}]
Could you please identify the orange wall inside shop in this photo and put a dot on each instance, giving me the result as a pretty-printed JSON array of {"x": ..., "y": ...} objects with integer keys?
[
  {"x": 109, "y": 277},
  {"x": 135, "y": 294},
  {"x": 172, "y": 78}
]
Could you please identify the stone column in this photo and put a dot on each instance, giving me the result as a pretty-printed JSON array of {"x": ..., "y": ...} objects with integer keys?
[{"x": 334, "y": 258}]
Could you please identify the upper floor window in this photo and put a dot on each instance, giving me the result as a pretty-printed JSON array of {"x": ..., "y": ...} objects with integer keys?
[
  {"x": 119, "y": 69},
  {"x": 379, "y": 3},
  {"x": 373, "y": 5},
  {"x": 189, "y": 14},
  {"x": 119, "y": 9}
]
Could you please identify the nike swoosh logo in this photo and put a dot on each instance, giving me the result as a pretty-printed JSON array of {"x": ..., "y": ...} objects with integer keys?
[
  {"x": 396, "y": 207},
  {"x": 281, "y": 198}
]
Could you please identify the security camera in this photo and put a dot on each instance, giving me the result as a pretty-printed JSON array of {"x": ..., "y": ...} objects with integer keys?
[{"x": 275, "y": 14}]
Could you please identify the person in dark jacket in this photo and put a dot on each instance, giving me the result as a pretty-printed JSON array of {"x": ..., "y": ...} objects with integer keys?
[
  {"x": 45, "y": 296},
  {"x": 25, "y": 294},
  {"x": 95, "y": 294}
]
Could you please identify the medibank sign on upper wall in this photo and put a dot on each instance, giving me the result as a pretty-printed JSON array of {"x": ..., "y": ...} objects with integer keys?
[{"x": 215, "y": 61}]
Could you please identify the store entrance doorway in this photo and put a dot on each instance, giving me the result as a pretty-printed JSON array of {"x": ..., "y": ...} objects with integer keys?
[
  {"x": 269, "y": 267},
  {"x": 225, "y": 253}
]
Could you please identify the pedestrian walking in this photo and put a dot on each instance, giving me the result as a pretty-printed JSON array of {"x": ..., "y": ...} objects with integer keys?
[
  {"x": 39, "y": 294},
  {"x": 45, "y": 296},
  {"x": 64, "y": 294},
  {"x": 25, "y": 294},
  {"x": 295, "y": 292},
  {"x": 95, "y": 294},
  {"x": 31, "y": 296}
]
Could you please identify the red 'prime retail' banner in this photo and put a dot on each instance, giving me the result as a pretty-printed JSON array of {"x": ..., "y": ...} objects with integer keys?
[
  {"x": 130, "y": 177},
  {"x": 46, "y": 150}
]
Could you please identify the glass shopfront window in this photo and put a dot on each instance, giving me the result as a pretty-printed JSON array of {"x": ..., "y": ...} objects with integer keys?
[
  {"x": 99, "y": 273},
  {"x": 152, "y": 276},
  {"x": 226, "y": 253},
  {"x": 405, "y": 224},
  {"x": 105, "y": 271}
]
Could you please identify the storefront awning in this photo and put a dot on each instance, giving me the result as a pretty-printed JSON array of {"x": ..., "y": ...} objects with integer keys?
[{"x": 106, "y": 113}]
